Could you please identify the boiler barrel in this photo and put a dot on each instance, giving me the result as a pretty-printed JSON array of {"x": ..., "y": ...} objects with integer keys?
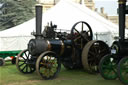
[
  {"x": 38, "y": 46},
  {"x": 62, "y": 48}
]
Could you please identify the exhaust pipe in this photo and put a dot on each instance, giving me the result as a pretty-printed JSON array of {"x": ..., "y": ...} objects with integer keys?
[
  {"x": 122, "y": 12},
  {"x": 38, "y": 21}
]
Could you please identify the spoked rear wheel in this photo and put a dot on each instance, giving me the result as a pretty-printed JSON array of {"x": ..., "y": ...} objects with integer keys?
[
  {"x": 123, "y": 70},
  {"x": 92, "y": 53},
  {"x": 48, "y": 65},
  {"x": 108, "y": 67},
  {"x": 22, "y": 62}
]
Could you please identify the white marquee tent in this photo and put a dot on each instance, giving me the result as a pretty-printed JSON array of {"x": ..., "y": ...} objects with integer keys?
[{"x": 65, "y": 14}]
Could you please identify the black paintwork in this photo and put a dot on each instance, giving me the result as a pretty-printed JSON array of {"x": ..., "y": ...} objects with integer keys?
[{"x": 122, "y": 12}]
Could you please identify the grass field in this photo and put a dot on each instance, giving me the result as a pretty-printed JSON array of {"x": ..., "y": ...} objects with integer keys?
[{"x": 9, "y": 75}]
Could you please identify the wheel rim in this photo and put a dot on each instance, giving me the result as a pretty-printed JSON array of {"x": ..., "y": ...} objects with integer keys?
[
  {"x": 92, "y": 54},
  {"x": 22, "y": 62},
  {"x": 81, "y": 33},
  {"x": 108, "y": 67},
  {"x": 123, "y": 70},
  {"x": 48, "y": 65}
]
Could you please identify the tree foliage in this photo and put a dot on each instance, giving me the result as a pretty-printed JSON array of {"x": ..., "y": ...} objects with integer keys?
[{"x": 14, "y": 12}]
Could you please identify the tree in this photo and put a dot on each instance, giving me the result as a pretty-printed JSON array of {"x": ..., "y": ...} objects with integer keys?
[{"x": 15, "y": 12}]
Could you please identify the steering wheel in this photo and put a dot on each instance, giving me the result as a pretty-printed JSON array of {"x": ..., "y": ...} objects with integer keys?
[{"x": 81, "y": 33}]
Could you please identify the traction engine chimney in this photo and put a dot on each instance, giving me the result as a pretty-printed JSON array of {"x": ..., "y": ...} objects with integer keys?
[
  {"x": 122, "y": 11},
  {"x": 38, "y": 21}
]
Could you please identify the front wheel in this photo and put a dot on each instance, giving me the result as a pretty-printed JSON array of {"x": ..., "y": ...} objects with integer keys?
[
  {"x": 108, "y": 67},
  {"x": 123, "y": 70},
  {"x": 22, "y": 62},
  {"x": 48, "y": 65}
]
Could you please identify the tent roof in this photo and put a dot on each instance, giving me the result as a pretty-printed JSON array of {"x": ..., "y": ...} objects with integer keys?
[
  {"x": 24, "y": 29},
  {"x": 65, "y": 14}
]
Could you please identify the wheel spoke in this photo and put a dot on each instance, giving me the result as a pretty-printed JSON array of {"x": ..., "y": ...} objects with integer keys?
[
  {"x": 95, "y": 49},
  {"x": 21, "y": 64},
  {"x": 22, "y": 57},
  {"x": 115, "y": 70},
  {"x": 82, "y": 26},
  {"x": 26, "y": 68},
  {"x": 106, "y": 66},
  {"x": 23, "y": 68},
  {"x": 22, "y": 60},
  {"x": 77, "y": 31},
  {"x": 31, "y": 69},
  {"x": 103, "y": 50},
  {"x": 26, "y": 56},
  {"x": 92, "y": 53},
  {"x": 77, "y": 38}
]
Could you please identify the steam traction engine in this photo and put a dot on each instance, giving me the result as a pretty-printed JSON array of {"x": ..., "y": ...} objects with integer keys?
[
  {"x": 74, "y": 50},
  {"x": 115, "y": 64}
]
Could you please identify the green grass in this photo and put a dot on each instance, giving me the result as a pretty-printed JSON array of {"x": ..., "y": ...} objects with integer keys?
[{"x": 9, "y": 75}]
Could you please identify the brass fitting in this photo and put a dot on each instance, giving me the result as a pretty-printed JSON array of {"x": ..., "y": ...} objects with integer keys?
[{"x": 121, "y": 1}]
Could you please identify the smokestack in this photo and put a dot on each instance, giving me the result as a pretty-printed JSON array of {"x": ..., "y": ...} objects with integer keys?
[
  {"x": 96, "y": 10},
  {"x": 80, "y": 2},
  {"x": 102, "y": 10},
  {"x": 38, "y": 21},
  {"x": 122, "y": 10}
]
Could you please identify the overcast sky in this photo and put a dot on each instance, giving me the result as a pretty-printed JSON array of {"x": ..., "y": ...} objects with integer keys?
[{"x": 110, "y": 6}]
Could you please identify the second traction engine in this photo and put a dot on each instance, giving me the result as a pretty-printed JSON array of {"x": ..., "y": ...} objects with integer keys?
[{"x": 115, "y": 64}]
